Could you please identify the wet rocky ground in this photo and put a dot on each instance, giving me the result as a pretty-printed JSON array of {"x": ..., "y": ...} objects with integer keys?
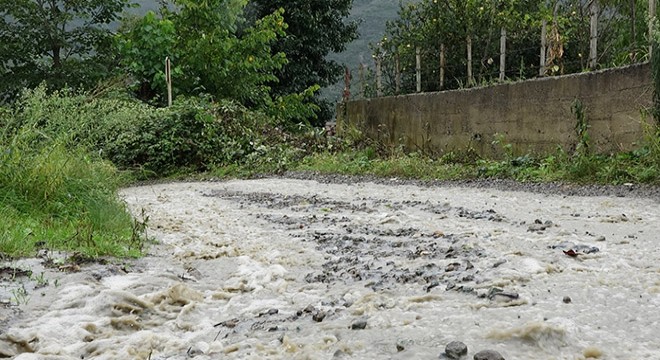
[
  {"x": 628, "y": 190},
  {"x": 346, "y": 267}
]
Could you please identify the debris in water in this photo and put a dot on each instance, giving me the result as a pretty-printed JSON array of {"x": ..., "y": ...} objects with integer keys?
[{"x": 228, "y": 323}]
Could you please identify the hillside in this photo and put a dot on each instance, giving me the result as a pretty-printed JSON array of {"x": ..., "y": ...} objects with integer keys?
[{"x": 373, "y": 15}]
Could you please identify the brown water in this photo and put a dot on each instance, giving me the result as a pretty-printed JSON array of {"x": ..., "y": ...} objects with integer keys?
[{"x": 284, "y": 269}]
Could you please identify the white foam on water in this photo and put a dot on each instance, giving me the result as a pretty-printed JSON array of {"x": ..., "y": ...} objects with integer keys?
[{"x": 223, "y": 282}]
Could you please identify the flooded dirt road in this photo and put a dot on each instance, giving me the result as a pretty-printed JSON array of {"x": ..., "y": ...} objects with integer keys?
[{"x": 297, "y": 269}]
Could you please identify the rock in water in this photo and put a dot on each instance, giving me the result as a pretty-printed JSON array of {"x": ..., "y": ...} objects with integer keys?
[
  {"x": 455, "y": 350},
  {"x": 403, "y": 344},
  {"x": 359, "y": 325},
  {"x": 319, "y": 316},
  {"x": 488, "y": 355}
]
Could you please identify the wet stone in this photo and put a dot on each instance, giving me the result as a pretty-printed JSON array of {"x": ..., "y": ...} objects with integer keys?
[
  {"x": 319, "y": 316},
  {"x": 452, "y": 267},
  {"x": 499, "y": 262},
  {"x": 467, "y": 278},
  {"x": 269, "y": 312},
  {"x": 537, "y": 227},
  {"x": 359, "y": 325},
  {"x": 586, "y": 249},
  {"x": 456, "y": 350},
  {"x": 466, "y": 289},
  {"x": 432, "y": 285},
  {"x": 339, "y": 354},
  {"x": 488, "y": 355},
  {"x": 403, "y": 344}
]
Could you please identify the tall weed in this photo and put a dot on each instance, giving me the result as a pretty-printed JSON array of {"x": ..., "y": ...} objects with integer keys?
[{"x": 60, "y": 198}]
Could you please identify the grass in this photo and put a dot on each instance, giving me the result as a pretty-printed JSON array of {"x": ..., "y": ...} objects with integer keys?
[
  {"x": 638, "y": 166},
  {"x": 58, "y": 187},
  {"x": 56, "y": 197},
  {"x": 365, "y": 162},
  {"x": 353, "y": 154}
]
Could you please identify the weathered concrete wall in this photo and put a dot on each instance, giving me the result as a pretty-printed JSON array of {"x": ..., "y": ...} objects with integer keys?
[{"x": 534, "y": 116}]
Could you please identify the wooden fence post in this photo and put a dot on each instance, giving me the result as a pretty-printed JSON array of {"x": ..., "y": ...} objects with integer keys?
[
  {"x": 347, "y": 84},
  {"x": 418, "y": 68},
  {"x": 168, "y": 80},
  {"x": 379, "y": 75},
  {"x": 442, "y": 66},
  {"x": 502, "y": 54},
  {"x": 633, "y": 31},
  {"x": 397, "y": 75},
  {"x": 652, "y": 17},
  {"x": 593, "y": 37},
  {"x": 361, "y": 76},
  {"x": 470, "y": 80},
  {"x": 544, "y": 47}
]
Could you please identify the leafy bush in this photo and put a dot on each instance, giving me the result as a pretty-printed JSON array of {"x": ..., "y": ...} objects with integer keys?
[{"x": 193, "y": 135}]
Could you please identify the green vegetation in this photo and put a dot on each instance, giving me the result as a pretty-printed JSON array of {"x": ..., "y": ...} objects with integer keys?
[
  {"x": 56, "y": 43},
  {"x": 209, "y": 54},
  {"x": 639, "y": 166},
  {"x": 315, "y": 28},
  {"x": 453, "y": 25},
  {"x": 95, "y": 122},
  {"x": 55, "y": 197},
  {"x": 59, "y": 154},
  {"x": 61, "y": 150}
]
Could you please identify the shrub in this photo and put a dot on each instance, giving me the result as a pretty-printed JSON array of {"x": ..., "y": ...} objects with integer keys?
[{"x": 193, "y": 135}]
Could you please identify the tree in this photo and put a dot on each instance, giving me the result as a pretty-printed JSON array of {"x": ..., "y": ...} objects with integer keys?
[
  {"x": 315, "y": 29},
  {"x": 209, "y": 54},
  {"x": 62, "y": 42},
  {"x": 144, "y": 43},
  {"x": 448, "y": 24}
]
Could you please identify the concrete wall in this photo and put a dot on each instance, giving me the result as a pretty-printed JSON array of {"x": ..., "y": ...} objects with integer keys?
[{"x": 534, "y": 116}]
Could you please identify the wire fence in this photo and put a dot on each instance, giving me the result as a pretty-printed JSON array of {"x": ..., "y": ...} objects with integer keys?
[
  {"x": 366, "y": 81},
  {"x": 517, "y": 56}
]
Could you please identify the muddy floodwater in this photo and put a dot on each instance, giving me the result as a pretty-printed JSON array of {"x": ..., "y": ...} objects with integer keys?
[{"x": 298, "y": 269}]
